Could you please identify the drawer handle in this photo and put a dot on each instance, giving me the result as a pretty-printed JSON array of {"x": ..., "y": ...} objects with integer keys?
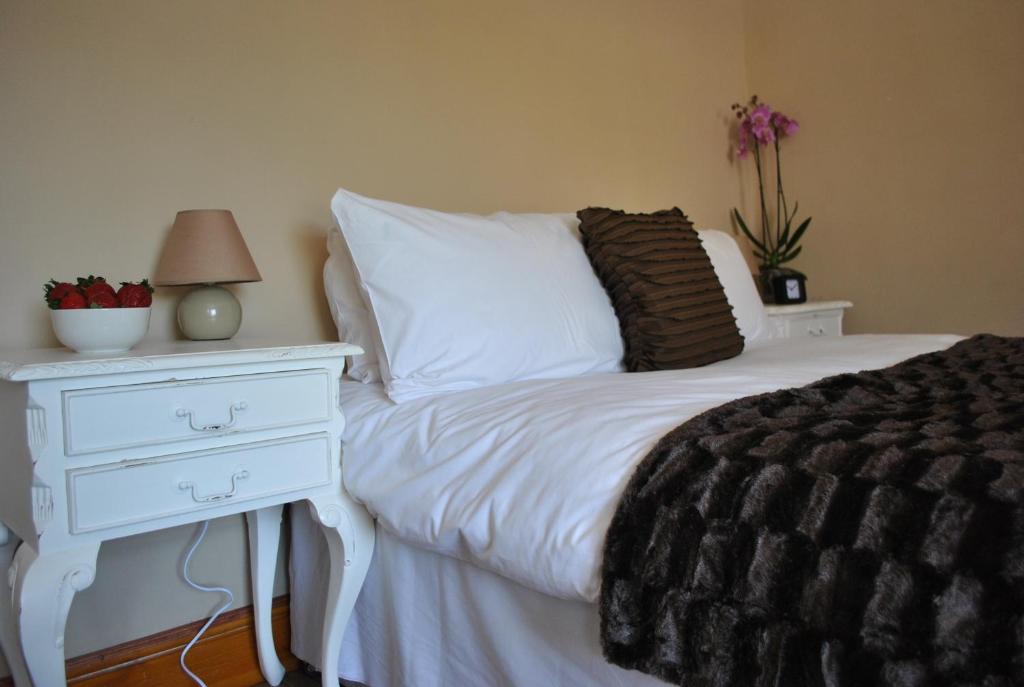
[
  {"x": 235, "y": 479},
  {"x": 817, "y": 331},
  {"x": 237, "y": 407}
]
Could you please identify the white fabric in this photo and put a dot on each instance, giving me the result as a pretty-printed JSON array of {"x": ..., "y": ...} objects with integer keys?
[
  {"x": 734, "y": 273},
  {"x": 464, "y": 301},
  {"x": 428, "y": 620},
  {"x": 356, "y": 324},
  {"x": 351, "y": 316},
  {"x": 523, "y": 478}
]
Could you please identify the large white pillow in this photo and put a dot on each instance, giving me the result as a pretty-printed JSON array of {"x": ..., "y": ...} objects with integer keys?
[
  {"x": 348, "y": 308},
  {"x": 463, "y": 301},
  {"x": 740, "y": 290}
]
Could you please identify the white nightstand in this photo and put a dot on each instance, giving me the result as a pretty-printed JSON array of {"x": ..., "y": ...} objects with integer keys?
[
  {"x": 823, "y": 318},
  {"x": 100, "y": 447}
]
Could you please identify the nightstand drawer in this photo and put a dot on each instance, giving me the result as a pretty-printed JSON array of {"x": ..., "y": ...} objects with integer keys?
[
  {"x": 821, "y": 318},
  {"x": 823, "y": 324},
  {"x": 117, "y": 417},
  {"x": 133, "y": 491}
]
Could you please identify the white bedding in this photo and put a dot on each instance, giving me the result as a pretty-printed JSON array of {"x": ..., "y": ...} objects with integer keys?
[
  {"x": 523, "y": 478},
  {"x": 427, "y": 620}
]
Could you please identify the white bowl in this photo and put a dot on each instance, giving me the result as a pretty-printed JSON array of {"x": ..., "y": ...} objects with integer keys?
[{"x": 100, "y": 330}]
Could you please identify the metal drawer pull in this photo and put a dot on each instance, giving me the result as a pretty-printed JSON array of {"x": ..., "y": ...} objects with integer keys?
[
  {"x": 235, "y": 479},
  {"x": 239, "y": 407}
]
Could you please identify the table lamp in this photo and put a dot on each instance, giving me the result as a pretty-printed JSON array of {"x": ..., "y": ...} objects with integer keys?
[{"x": 205, "y": 247}]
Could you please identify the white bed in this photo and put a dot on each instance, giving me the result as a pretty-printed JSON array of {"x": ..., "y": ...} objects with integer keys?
[
  {"x": 493, "y": 499},
  {"x": 519, "y": 482}
]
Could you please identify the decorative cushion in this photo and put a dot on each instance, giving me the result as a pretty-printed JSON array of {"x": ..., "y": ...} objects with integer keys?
[{"x": 672, "y": 309}]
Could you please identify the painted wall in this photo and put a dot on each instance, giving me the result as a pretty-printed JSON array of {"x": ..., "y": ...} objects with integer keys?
[
  {"x": 114, "y": 115},
  {"x": 910, "y": 159}
]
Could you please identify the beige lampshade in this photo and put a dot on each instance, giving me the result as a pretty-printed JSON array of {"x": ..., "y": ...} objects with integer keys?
[{"x": 205, "y": 247}]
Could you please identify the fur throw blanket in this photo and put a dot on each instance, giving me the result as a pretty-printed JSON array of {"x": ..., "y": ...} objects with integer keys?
[{"x": 867, "y": 529}]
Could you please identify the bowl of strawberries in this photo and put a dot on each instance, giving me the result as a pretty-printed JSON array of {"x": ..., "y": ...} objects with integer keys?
[{"x": 91, "y": 316}]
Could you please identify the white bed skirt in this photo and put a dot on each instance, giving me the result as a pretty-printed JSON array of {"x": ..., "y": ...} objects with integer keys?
[{"x": 427, "y": 620}]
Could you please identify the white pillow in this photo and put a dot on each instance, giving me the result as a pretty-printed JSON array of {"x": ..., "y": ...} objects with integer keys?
[
  {"x": 464, "y": 301},
  {"x": 348, "y": 308},
  {"x": 740, "y": 290}
]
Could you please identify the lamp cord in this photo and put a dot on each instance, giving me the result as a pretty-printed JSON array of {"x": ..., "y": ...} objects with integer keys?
[{"x": 222, "y": 590}]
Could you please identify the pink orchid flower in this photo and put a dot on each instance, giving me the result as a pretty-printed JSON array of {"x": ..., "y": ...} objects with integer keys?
[
  {"x": 784, "y": 125},
  {"x": 761, "y": 124}
]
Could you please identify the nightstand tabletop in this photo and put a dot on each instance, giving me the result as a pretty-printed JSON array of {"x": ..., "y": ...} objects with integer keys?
[
  {"x": 809, "y": 306},
  {"x": 59, "y": 363}
]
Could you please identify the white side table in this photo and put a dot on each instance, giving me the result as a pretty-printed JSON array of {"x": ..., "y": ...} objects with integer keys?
[
  {"x": 821, "y": 318},
  {"x": 100, "y": 447}
]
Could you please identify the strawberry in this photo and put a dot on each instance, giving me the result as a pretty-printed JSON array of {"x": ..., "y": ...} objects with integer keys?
[
  {"x": 84, "y": 282},
  {"x": 103, "y": 299},
  {"x": 97, "y": 287},
  {"x": 73, "y": 300},
  {"x": 135, "y": 295},
  {"x": 55, "y": 291}
]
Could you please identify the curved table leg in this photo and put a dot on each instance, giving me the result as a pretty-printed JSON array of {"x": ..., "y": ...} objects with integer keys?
[
  {"x": 264, "y": 539},
  {"x": 10, "y": 643},
  {"x": 44, "y": 587},
  {"x": 349, "y": 531}
]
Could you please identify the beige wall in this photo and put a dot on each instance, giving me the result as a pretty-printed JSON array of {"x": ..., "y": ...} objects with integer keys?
[
  {"x": 114, "y": 115},
  {"x": 911, "y": 157}
]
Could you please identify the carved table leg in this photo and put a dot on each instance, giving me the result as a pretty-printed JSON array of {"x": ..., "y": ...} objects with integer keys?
[
  {"x": 44, "y": 587},
  {"x": 9, "y": 641},
  {"x": 264, "y": 538},
  {"x": 349, "y": 531}
]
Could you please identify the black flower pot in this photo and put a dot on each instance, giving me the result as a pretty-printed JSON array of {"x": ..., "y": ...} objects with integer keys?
[{"x": 781, "y": 285}]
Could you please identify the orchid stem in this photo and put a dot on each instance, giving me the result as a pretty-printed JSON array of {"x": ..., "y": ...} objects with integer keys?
[{"x": 765, "y": 228}]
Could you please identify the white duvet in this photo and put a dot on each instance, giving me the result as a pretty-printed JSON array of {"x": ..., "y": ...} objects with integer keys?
[{"x": 523, "y": 478}]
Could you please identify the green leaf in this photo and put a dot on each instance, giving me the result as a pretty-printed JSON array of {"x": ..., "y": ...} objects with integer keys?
[
  {"x": 784, "y": 237},
  {"x": 789, "y": 256},
  {"x": 799, "y": 233},
  {"x": 743, "y": 227}
]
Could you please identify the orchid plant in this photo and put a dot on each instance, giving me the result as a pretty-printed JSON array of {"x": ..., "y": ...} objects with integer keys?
[{"x": 759, "y": 128}]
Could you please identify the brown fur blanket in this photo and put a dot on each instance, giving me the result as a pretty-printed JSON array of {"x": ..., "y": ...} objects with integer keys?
[{"x": 867, "y": 529}]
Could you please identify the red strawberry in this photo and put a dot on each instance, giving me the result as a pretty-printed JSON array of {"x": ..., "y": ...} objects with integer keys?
[
  {"x": 72, "y": 301},
  {"x": 100, "y": 286},
  {"x": 55, "y": 291},
  {"x": 103, "y": 299},
  {"x": 135, "y": 295}
]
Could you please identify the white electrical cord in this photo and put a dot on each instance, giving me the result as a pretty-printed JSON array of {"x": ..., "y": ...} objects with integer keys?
[{"x": 213, "y": 618}]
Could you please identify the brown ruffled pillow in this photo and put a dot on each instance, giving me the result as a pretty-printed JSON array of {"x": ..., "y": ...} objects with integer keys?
[{"x": 671, "y": 306}]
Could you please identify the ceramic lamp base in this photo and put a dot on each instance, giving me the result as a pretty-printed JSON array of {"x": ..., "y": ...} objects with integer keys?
[{"x": 208, "y": 313}]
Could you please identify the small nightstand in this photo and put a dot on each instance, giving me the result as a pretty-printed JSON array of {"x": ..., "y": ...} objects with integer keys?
[
  {"x": 823, "y": 318},
  {"x": 100, "y": 447}
]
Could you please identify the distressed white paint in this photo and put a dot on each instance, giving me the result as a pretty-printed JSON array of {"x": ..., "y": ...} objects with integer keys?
[
  {"x": 70, "y": 490},
  {"x": 264, "y": 539},
  {"x": 349, "y": 531},
  {"x": 9, "y": 642}
]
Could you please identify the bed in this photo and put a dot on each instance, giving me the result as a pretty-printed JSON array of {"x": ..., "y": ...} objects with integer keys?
[{"x": 493, "y": 491}]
